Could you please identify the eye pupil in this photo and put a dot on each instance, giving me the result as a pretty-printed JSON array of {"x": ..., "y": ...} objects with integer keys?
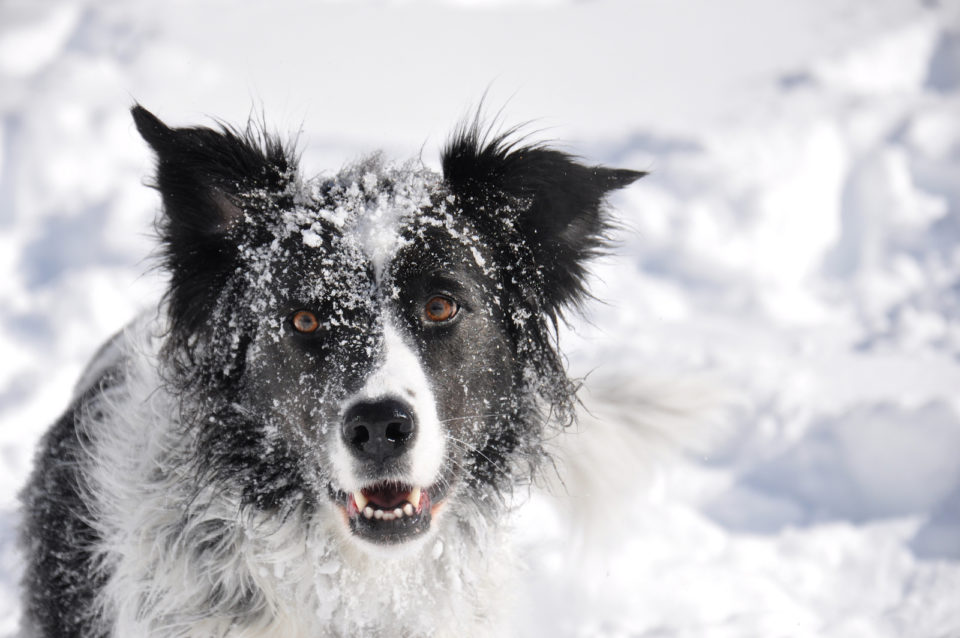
[
  {"x": 440, "y": 309},
  {"x": 305, "y": 321}
]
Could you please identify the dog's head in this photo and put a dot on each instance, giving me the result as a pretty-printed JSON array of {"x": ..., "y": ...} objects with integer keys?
[{"x": 377, "y": 343}]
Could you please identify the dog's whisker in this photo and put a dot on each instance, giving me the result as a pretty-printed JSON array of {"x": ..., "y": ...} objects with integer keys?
[
  {"x": 470, "y": 448},
  {"x": 474, "y": 416}
]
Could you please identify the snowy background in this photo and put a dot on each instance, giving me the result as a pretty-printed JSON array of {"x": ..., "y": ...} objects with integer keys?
[{"x": 797, "y": 244}]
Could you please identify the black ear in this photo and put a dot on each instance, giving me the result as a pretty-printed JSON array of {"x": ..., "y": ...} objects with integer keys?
[
  {"x": 554, "y": 204},
  {"x": 210, "y": 181},
  {"x": 202, "y": 173}
]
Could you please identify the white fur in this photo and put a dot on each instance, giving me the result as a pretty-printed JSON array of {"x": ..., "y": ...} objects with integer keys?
[
  {"x": 310, "y": 579},
  {"x": 399, "y": 376}
]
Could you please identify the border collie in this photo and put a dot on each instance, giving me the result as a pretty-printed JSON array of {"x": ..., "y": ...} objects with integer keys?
[{"x": 318, "y": 430}]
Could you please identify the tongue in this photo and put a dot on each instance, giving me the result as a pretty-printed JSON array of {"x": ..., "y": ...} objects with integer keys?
[{"x": 386, "y": 496}]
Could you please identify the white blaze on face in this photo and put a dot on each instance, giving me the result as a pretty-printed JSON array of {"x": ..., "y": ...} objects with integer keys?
[
  {"x": 376, "y": 229},
  {"x": 399, "y": 376},
  {"x": 378, "y": 234}
]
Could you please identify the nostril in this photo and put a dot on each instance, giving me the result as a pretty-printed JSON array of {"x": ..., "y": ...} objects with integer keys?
[
  {"x": 358, "y": 435},
  {"x": 399, "y": 431}
]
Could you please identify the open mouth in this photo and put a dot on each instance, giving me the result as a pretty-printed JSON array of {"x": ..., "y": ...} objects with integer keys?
[{"x": 390, "y": 512}]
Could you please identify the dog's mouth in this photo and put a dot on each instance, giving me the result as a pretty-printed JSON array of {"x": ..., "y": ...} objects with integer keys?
[{"x": 390, "y": 512}]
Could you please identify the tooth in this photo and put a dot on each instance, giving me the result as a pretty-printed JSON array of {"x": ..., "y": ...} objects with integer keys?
[
  {"x": 388, "y": 516},
  {"x": 360, "y": 499},
  {"x": 378, "y": 514},
  {"x": 408, "y": 509},
  {"x": 414, "y": 497},
  {"x": 398, "y": 513},
  {"x": 368, "y": 511}
]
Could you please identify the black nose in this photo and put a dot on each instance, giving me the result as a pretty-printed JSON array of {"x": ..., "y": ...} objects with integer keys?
[{"x": 379, "y": 430}]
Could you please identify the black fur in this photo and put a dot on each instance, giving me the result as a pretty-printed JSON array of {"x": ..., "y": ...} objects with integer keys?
[
  {"x": 62, "y": 576},
  {"x": 555, "y": 203},
  {"x": 201, "y": 173},
  {"x": 506, "y": 232}
]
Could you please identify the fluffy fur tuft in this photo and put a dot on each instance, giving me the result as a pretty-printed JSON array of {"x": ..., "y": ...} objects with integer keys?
[
  {"x": 201, "y": 174},
  {"x": 553, "y": 201}
]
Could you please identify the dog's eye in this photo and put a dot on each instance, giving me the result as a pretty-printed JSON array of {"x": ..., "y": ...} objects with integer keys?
[
  {"x": 440, "y": 309},
  {"x": 305, "y": 321}
]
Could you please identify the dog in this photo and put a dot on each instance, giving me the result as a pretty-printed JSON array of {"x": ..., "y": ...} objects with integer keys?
[{"x": 318, "y": 430}]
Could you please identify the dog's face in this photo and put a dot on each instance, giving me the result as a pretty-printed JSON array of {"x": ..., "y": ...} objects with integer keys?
[{"x": 375, "y": 344}]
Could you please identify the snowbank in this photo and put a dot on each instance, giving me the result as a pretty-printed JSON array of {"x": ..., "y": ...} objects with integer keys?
[{"x": 797, "y": 244}]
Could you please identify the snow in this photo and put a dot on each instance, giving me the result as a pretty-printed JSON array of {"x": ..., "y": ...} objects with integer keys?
[{"x": 797, "y": 243}]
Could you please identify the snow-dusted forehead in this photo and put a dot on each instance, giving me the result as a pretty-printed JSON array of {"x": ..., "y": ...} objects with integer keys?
[
  {"x": 369, "y": 206},
  {"x": 336, "y": 245}
]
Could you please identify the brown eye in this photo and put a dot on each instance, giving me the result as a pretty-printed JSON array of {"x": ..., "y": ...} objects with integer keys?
[
  {"x": 305, "y": 321},
  {"x": 440, "y": 309}
]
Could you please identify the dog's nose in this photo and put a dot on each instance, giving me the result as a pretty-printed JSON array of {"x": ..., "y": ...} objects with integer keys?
[{"x": 378, "y": 430}]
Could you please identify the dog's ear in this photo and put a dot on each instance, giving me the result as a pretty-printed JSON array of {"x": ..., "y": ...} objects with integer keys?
[
  {"x": 554, "y": 204},
  {"x": 211, "y": 182},
  {"x": 202, "y": 173}
]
